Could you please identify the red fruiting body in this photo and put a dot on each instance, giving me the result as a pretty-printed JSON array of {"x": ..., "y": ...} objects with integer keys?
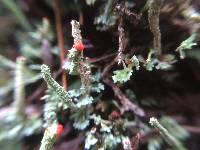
[
  {"x": 56, "y": 129},
  {"x": 79, "y": 46},
  {"x": 115, "y": 114},
  {"x": 59, "y": 130}
]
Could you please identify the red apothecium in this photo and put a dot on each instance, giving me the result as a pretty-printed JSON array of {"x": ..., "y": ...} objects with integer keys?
[{"x": 79, "y": 46}]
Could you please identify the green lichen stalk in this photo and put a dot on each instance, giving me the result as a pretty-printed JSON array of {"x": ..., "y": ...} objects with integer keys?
[
  {"x": 76, "y": 32},
  {"x": 7, "y": 63},
  {"x": 77, "y": 60},
  {"x": 63, "y": 95},
  {"x": 19, "y": 94},
  {"x": 85, "y": 75},
  {"x": 51, "y": 107},
  {"x": 48, "y": 139},
  {"x": 172, "y": 141}
]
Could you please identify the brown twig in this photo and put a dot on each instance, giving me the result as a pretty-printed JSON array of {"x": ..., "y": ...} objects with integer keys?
[
  {"x": 60, "y": 38},
  {"x": 123, "y": 11},
  {"x": 40, "y": 90},
  {"x": 46, "y": 53},
  {"x": 108, "y": 68},
  {"x": 37, "y": 93},
  {"x": 74, "y": 144},
  {"x": 126, "y": 103},
  {"x": 102, "y": 58},
  {"x": 81, "y": 18},
  {"x": 122, "y": 40},
  {"x": 192, "y": 129}
]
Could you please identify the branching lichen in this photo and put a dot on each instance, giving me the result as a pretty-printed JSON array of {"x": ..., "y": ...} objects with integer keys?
[
  {"x": 186, "y": 45},
  {"x": 123, "y": 75},
  {"x": 107, "y": 19}
]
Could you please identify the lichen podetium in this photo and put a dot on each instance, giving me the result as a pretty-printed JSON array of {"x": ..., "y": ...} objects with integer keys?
[{"x": 153, "y": 18}]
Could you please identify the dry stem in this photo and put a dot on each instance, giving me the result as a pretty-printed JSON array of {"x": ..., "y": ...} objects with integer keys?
[{"x": 60, "y": 39}]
